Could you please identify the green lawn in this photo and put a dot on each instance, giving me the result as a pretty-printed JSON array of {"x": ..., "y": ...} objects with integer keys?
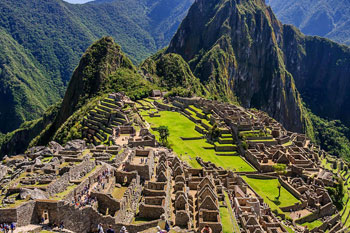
[
  {"x": 312, "y": 225},
  {"x": 227, "y": 226},
  {"x": 181, "y": 126},
  {"x": 267, "y": 189}
]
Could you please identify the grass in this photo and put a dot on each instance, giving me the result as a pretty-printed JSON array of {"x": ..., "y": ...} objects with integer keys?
[
  {"x": 231, "y": 225},
  {"x": 181, "y": 126},
  {"x": 196, "y": 109},
  {"x": 227, "y": 226},
  {"x": 312, "y": 225},
  {"x": 118, "y": 193},
  {"x": 267, "y": 189},
  {"x": 60, "y": 196}
]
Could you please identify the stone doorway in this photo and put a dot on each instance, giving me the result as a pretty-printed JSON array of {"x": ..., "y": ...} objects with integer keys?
[{"x": 45, "y": 217}]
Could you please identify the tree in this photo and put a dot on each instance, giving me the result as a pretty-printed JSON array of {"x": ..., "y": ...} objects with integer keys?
[
  {"x": 163, "y": 134},
  {"x": 337, "y": 193},
  {"x": 279, "y": 190},
  {"x": 280, "y": 169},
  {"x": 214, "y": 133}
]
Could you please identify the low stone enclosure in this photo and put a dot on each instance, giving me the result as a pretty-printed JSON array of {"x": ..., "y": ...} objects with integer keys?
[{"x": 126, "y": 184}]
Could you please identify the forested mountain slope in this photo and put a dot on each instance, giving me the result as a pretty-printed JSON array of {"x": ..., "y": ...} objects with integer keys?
[
  {"x": 51, "y": 35},
  {"x": 326, "y": 18}
]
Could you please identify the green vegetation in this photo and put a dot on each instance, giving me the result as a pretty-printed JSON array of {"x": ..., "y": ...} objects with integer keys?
[
  {"x": 171, "y": 72},
  {"x": 337, "y": 193},
  {"x": 41, "y": 44},
  {"x": 118, "y": 193},
  {"x": 227, "y": 226},
  {"x": 60, "y": 196},
  {"x": 180, "y": 126},
  {"x": 312, "y": 225},
  {"x": 332, "y": 136},
  {"x": 269, "y": 191},
  {"x": 163, "y": 134}
]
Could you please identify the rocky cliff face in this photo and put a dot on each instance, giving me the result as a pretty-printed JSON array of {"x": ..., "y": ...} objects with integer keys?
[
  {"x": 321, "y": 70},
  {"x": 233, "y": 47}
]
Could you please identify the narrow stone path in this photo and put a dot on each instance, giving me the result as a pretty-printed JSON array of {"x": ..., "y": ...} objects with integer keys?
[{"x": 27, "y": 228}]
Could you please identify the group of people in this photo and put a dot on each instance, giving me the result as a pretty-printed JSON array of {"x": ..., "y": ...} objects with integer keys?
[
  {"x": 110, "y": 229},
  {"x": 124, "y": 230},
  {"x": 7, "y": 228},
  {"x": 143, "y": 160}
]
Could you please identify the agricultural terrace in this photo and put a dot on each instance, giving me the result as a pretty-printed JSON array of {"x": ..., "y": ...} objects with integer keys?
[{"x": 180, "y": 126}]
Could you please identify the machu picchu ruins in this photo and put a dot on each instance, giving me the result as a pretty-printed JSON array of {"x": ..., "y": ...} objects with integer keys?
[{"x": 226, "y": 168}]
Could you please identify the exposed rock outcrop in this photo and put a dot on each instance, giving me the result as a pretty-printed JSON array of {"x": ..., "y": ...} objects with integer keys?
[{"x": 232, "y": 46}]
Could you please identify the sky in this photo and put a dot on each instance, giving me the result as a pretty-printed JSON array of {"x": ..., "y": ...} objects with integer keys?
[{"x": 77, "y": 1}]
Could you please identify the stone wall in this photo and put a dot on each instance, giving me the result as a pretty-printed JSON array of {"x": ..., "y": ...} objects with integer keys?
[
  {"x": 151, "y": 211},
  {"x": 59, "y": 185},
  {"x": 121, "y": 177},
  {"x": 290, "y": 189},
  {"x": 106, "y": 202},
  {"x": 25, "y": 213},
  {"x": 89, "y": 180},
  {"x": 326, "y": 210},
  {"x": 8, "y": 215},
  {"x": 81, "y": 169},
  {"x": 22, "y": 215},
  {"x": 326, "y": 224}
]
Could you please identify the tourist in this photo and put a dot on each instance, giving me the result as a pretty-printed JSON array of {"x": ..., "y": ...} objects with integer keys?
[
  {"x": 100, "y": 228},
  {"x": 159, "y": 230},
  {"x": 13, "y": 227},
  {"x": 61, "y": 226},
  {"x": 123, "y": 230},
  {"x": 110, "y": 230},
  {"x": 206, "y": 229},
  {"x": 167, "y": 227}
]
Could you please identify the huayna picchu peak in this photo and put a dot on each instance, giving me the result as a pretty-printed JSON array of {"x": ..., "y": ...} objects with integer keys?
[{"x": 239, "y": 125}]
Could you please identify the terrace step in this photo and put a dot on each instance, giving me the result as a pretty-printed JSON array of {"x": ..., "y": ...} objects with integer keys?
[
  {"x": 109, "y": 105},
  {"x": 106, "y": 109},
  {"x": 227, "y": 153},
  {"x": 226, "y": 141}
]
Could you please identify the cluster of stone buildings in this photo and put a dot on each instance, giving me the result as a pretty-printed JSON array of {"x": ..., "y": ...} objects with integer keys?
[{"x": 86, "y": 182}]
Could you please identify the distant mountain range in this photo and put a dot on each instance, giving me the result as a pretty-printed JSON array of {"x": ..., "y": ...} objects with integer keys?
[
  {"x": 42, "y": 41},
  {"x": 326, "y": 18}
]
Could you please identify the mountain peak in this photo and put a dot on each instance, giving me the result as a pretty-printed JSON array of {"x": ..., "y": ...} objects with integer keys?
[{"x": 233, "y": 47}]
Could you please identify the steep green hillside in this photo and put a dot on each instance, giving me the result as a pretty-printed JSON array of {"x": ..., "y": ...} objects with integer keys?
[
  {"x": 232, "y": 47},
  {"x": 25, "y": 91},
  {"x": 329, "y": 19},
  {"x": 103, "y": 69},
  {"x": 52, "y": 35}
]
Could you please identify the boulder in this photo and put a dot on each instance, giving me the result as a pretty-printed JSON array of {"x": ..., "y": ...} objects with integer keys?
[
  {"x": 38, "y": 162},
  {"x": 3, "y": 171},
  {"x": 75, "y": 145},
  {"x": 55, "y": 146},
  {"x": 33, "y": 194}
]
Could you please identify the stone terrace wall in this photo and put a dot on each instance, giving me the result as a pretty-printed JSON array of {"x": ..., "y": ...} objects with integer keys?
[
  {"x": 81, "y": 169},
  {"x": 59, "y": 185},
  {"x": 90, "y": 180}
]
